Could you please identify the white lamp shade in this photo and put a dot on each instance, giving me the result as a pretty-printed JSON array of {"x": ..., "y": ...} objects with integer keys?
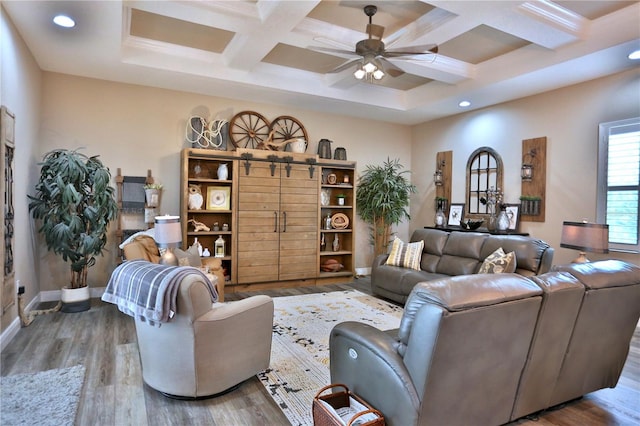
[
  {"x": 168, "y": 231},
  {"x": 584, "y": 236}
]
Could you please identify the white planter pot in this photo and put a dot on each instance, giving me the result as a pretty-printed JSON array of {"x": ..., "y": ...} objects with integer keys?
[{"x": 75, "y": 299}]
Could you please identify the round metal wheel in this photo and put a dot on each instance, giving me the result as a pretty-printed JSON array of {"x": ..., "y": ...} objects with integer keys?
[
  {"x": 247, "y": 129},
  {"x": 285, "y": 128}
]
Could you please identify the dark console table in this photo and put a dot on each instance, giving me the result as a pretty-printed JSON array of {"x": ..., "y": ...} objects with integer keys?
[{"x": 481, "y": 230}]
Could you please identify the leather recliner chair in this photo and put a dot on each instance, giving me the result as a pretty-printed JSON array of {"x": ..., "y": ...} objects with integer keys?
[
  {"x": 451, "y": 362},
  {"x": 462, "y": 344},
  {"x": 206, "y": 349}
]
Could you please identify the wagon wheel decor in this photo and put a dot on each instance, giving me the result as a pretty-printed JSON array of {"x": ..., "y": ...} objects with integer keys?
[
  {"x": 285, "y": 128},
  {"x": 247, "y": 129}
]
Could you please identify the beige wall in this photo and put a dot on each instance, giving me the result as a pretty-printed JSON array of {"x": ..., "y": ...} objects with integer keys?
[
  {"x": 20, "y": 81},
  {"x": 568, "y": 117},
  {"x": 137, "y": 128}
]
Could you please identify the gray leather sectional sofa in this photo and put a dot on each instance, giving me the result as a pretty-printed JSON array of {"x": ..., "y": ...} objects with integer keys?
[
  {"x": 456, "y": 253},
  {"x": 487, "y": 349}
]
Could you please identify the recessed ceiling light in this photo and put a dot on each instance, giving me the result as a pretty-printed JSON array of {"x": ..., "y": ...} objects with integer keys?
[
  {"x": 464, "y": 104},
  {"x": 634, "y": 55},
  {"x": 64, "y": 21}
]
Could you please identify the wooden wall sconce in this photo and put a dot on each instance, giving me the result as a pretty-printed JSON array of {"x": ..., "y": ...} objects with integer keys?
[
  {"x": 442, "y": 176},
  {"x": 534, "y": 180}
]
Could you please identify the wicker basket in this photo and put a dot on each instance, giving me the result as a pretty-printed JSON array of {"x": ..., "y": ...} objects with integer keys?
[{"x": 343, "y": 408}]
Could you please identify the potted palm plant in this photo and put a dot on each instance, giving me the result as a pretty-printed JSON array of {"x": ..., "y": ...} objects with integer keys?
[
  {"x": 382, "y": 200},
  {"x": 74, "y": 202}
]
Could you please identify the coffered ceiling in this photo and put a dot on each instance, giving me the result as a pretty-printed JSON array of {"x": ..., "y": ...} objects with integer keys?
[{"x": 489, "y": 51}]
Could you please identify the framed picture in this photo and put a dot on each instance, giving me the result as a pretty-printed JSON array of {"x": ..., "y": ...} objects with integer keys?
[
  {"x": 513, "y": 212},
  {"x": 456, "y": 212},
  {"x": 218, "y": 198}
]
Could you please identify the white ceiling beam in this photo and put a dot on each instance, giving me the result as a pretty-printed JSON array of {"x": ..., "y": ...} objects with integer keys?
[{"x": 278, "y": 18}]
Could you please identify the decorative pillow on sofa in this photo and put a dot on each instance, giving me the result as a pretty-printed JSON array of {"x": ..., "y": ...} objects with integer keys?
[
  {"x": 407, "y": 255},
  {"x": 191, "y": 257},
  {"x": 499, "y": 262}
]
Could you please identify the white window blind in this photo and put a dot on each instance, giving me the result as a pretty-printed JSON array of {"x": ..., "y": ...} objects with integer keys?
[{"x": 619, "y": 183}]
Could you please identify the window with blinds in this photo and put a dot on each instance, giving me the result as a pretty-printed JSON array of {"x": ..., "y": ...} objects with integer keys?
[{"x": 619, "y": 183}]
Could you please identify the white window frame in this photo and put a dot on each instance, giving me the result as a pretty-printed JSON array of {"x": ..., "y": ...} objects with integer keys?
[{"x": 603, "y": 189}]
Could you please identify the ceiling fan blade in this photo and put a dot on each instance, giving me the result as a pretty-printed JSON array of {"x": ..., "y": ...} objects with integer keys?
[
  {"x": 329, "y": 42},
  {"x": 412, "y": 50},
  {"x": 375, "y": 31},
  {"x": 344, "y": 66},
  {"x": 330, "y": 50},
  {"x": 390, "y": 68}
]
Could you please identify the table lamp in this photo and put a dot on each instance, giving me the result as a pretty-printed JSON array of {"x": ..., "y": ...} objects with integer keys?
[
  {"x": 168, "y": 234},
  {"x": 586, "y": 237}
]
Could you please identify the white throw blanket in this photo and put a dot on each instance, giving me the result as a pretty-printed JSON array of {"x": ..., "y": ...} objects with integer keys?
[{"x": 148, "y": 291}]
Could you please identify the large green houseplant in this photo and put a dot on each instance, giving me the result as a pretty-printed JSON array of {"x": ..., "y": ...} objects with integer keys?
[
  {"x": 382, "y": 200},
  {"x": 75, "y": 203}
]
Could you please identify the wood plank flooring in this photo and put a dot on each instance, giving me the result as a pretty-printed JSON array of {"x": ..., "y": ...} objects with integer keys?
[{"x": 104, "y": 341}]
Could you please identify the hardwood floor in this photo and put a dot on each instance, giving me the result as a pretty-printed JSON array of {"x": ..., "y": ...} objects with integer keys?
[{"x": 104, "y": 341}]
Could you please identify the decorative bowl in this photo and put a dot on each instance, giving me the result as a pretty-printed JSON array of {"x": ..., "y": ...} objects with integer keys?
[{"x": 471, "y": 224}]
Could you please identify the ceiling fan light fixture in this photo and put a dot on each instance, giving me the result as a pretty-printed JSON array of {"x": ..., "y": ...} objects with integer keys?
[
  {"x": 378, "y": 74},
  {"x": 359, "y": 74},
  {"x": 369, "y": 67}
]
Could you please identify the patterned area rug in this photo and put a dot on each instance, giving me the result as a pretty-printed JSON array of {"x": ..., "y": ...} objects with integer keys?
[
  {"x": 45, "y": 398},
  {"x": 300, "y": 348}
]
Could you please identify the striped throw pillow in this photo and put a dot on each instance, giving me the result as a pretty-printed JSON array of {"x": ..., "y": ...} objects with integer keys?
[{"x": 407, "y": 255}]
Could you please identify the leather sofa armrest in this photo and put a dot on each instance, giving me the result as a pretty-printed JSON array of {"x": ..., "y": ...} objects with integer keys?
[
  {"x": 223, "y": 311},
  {"x": 546, "y": 261},
  {"x": 365, "y": 359},
  {"x": 379, "y": 260}
]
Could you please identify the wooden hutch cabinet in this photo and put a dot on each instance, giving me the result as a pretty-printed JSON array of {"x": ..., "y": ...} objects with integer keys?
[{"x": 276, "y": 206}]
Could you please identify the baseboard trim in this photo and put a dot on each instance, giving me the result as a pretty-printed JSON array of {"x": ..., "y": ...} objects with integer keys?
[
  {"x": 10, "y": 332},
  {"x": 44, "y": 296}
]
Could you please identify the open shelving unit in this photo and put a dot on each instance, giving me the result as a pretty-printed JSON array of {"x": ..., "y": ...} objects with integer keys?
[
  {"x": 338, "y": 178},
  {"x": 199, "y": 167}
]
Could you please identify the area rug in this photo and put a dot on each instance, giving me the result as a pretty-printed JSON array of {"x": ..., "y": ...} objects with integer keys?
[
  {"x": 44, "y": 398},
  {"x": 300, "y": 346}
]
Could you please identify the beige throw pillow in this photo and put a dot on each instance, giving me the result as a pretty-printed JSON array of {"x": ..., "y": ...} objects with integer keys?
[
  {"x": 190, "y": 257},
  {"x": 499, "y": 262},
  {"x": 407, "y": 255}
]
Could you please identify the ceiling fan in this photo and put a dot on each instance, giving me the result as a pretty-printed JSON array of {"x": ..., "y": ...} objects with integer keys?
[{"x": 372, "y": 55}]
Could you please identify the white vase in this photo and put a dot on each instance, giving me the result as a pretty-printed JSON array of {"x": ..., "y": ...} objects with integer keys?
[{"x": 223, "y": 171}]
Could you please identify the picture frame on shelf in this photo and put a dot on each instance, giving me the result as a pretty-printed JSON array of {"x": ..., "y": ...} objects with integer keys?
[
  {"x": 456, "y": 214},
  {"x": 513, "y": 213},
  {"x": 218, "y": 198}
]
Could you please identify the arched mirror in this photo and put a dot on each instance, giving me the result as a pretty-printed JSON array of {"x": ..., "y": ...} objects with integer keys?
[{"x": 484, "y": 172}]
